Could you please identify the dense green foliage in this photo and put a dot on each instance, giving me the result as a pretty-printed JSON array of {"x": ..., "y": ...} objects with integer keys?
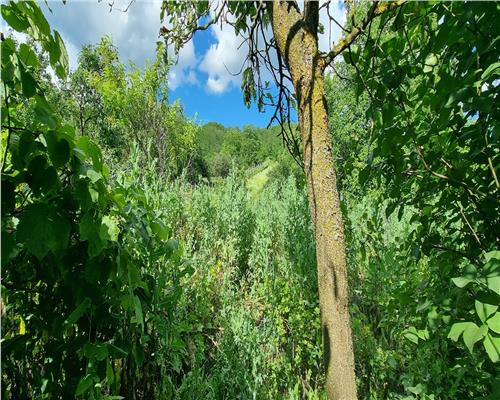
[
  {"x": 116, "y": 105},
  {"x": 430, "y": 78},
  {"x": 89, "y": 276},
  {"x": 403, "y": 301},
  {"x": 187, "y": 270},
  {"x": 251, "y": 306}
]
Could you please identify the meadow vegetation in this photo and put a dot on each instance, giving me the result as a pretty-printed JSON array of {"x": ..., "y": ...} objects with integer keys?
[{"x": 146, "y": 256}]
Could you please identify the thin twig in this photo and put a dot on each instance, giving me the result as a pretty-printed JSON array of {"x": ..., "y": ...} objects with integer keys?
[
  {"x": 9, "y": 130},
  {"x": 469, "y": 225}
]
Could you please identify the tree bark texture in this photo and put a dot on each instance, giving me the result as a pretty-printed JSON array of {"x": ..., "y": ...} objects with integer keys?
[{"x": 296, "y": 37}]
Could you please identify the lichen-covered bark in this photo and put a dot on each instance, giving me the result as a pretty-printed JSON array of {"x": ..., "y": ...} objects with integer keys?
[{"x": 297, "y": 42}]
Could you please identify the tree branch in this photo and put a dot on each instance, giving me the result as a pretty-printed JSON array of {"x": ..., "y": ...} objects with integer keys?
[
  {"x": 376, "y": 10},
  {"x": 9, "y": 129}
]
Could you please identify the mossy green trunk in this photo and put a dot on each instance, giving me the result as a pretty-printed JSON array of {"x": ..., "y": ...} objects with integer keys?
[{"x": 297, "y": 42}]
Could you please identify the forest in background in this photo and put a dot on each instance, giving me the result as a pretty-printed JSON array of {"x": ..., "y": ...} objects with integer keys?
[{"x": 146, "y": 256}]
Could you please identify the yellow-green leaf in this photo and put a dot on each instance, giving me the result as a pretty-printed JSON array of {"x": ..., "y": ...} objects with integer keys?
[{"x": 494, "y": 322}]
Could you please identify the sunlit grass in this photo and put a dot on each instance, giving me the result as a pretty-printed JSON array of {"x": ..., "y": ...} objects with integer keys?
[{"x": 256, "y": 182}]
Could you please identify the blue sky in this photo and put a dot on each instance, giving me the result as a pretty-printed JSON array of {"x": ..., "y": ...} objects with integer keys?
[
  {"x": 226, "y": 107},
  {"x": 201, "y": 80}
]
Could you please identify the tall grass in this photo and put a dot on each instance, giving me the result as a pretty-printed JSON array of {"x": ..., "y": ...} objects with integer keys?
[{"x": 248, "y": 313}]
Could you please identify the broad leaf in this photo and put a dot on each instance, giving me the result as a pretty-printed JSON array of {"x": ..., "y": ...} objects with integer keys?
[
  {"x": 457, "y": 329},
  {"x": 473, "y": 334},
  {"x": 42, "y": 229},
  {"x": 84, "y": 384},
  {"x": 492, "y": 347},
  {"x": 483, "y": 310},
  {"x": 494, "y": 323}
]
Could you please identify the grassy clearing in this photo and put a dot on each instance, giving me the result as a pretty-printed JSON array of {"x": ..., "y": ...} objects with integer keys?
[{"x": 257, "y": 181}]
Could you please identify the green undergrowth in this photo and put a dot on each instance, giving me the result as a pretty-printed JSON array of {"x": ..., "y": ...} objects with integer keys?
[
  {"x": 251, "y": 301},
  {"x": 259, "y": 176}
]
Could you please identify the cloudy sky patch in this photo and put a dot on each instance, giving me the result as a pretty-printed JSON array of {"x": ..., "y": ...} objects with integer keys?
[{"x": 207, "y": 67}]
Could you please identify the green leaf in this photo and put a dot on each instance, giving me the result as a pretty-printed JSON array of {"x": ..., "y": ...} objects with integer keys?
[
  {"x": 90, "y": 150},
  {"x": 461, "y": 282},
  {"x": 494, "y": 322},
  {"x": 470, "y": 273},
  {"x": 43, "y": 178},
  {"x": 37, "y": 20},
  {"x": 78, "y": 312},
  {"x": 377, "y": 119},
  {"x": 110, "y": 375},
  {"x": 430, "y": 62},
  {"x": 83, "y": 195},
  {"x": 62, "y": 65},
  {"x": 44, "y": 385},
  {"x": 457, "y": 329},
  {"x": 390, "y": 208},
  {"x": 42, "y": 229},
  {"x": 98, "y": 351},
  {"x": 84, "y": 384},
  {"x": 116, "y": 351},
  {"x": 29, "y": 84},
  {"x": 492, "y": 255},
  {"x": 493, "y": 69},
  {"x": 22, "y": 147},
  {"x": 16, "y": 20},
  {"x": 411, "y": 334},
  {"x": 28, "y": 56},
  {"x": 423, "y": 334},
  {"x": 44, "y": 113},
  {"x": 492, "y": 346},
  {"x": 483, "y": 310},
  {"x": 160, "y": 230},
  {"x": 488, "y": 297},
  {"x": 473, "y": 334},
  {"x": 364, "y": 174},
  {"x": 90, "y": 230},
  {"x": 491, "y": 271},
  {"x": 93, "y": 175},
  {"x": 355, "y": 52},
  {"x": 493, "y": 284},
  {"x": 138, "y": 311},
  {"x": 109, "y": 228},
  {"x": 492, "y": 267},
  {"x": 59, "y": 149}
]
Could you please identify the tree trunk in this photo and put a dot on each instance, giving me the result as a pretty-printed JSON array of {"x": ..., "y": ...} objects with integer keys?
[{"x": 296, "y": 38}]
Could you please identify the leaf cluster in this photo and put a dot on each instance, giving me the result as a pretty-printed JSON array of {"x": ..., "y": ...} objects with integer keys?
[{"x": 90, "y": 273}]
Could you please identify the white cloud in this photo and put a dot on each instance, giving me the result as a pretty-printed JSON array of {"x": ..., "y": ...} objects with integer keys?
[
  {"x": 217, "y": 85},
  {"x": 72, "y": 51},
  {"x": 134, "y": 32},
  {"x": 226, "y": 56},
  {"x": 192, "y": 78},
  {"x": 184, "y": 70},
  {"x": 223, "y": 59}
]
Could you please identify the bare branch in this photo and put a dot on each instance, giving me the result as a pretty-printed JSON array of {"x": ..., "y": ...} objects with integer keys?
[{"x": 112, "y": 7}]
